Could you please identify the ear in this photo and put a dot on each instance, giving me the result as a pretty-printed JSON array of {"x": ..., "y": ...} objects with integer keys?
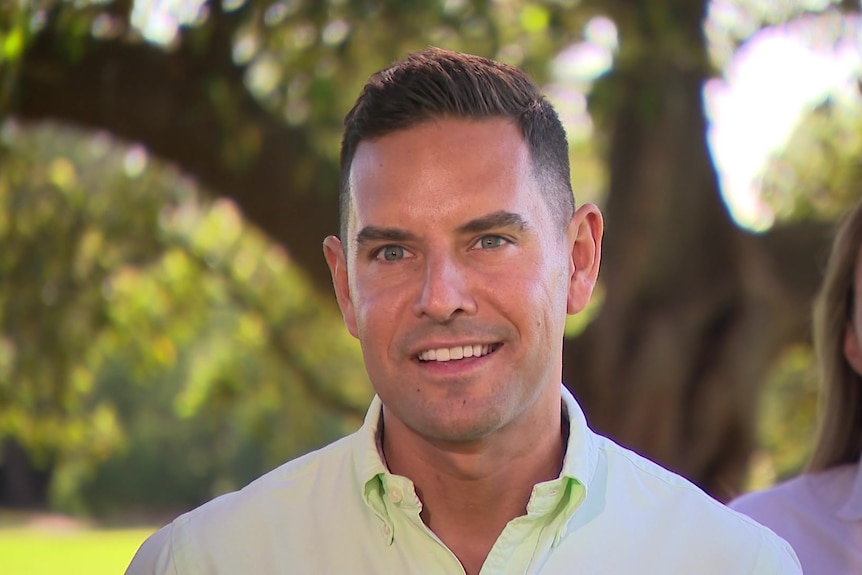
[
  {"x": 585, "y": 238},
  {"x": 852, "y": 353},
  {"x": 337, "y": 262}
]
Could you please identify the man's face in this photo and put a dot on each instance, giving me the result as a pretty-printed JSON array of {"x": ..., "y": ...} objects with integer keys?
[{"x": 458, "y": 278}]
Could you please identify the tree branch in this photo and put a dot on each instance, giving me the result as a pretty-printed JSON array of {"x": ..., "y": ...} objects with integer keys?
[{"x": 189, "y": 110}]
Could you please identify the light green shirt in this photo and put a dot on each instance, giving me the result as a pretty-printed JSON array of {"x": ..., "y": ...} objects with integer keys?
[{"x": 339, "y": 511}]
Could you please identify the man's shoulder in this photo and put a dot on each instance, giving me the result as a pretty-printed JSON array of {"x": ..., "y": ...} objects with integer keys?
[
  {"x": 283, "y": 492},
  {"x": 660, "y": 514},
  {"x": 266, "y": 513},
  {"x": 666, "y": 498},
  {"x": 289, "y": 485},
  {"x": 625, "y": 464}
]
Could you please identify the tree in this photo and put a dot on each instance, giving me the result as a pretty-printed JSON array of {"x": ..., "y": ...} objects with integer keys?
[
  {"x": 246, "y": 96},
  {"x": 141, "y": 323},
  {"x": 696, "y": 309}
]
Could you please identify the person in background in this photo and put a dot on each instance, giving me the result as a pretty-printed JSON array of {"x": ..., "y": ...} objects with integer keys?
[
  {"x": 820, "y": 512},
  {"x": 461, "y": 252}
]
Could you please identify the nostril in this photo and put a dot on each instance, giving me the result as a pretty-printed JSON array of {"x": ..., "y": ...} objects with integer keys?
[{"x": 445, "y": 296}]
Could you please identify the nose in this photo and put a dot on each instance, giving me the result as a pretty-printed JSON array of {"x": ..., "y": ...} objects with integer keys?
[{"x": 446, "y": 292}]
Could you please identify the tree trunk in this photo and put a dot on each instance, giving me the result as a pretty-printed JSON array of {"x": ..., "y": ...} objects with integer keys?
[
  {"x": 694, "y": 311},
  {"x": 22, "y": 484}
]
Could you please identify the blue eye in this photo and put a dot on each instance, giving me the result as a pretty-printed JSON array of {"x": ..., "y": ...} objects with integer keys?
[
  {"x": 490, "y": 242},
  {"x": 391, "y": 253}
]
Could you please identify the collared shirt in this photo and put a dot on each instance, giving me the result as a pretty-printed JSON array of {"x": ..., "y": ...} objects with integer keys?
[
  {"x": 339, "y": 511},
  {"x": 819, "y": 514}
]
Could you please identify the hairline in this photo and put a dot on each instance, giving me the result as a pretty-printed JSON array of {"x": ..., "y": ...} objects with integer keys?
[{"x": 539, "y": 178}]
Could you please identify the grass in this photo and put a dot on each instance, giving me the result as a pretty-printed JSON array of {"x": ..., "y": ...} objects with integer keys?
[{"x": 65, "y": 548}]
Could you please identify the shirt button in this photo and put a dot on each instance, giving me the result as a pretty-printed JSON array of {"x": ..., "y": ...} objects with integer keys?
[
  {"x": 387, "y": 530},
  {"x": 395, "y": 495}
]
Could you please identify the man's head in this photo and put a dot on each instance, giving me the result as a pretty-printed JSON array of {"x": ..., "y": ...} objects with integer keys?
[
  {"x": 461, "y": 252},
  {"x": 437, "y": 83}
]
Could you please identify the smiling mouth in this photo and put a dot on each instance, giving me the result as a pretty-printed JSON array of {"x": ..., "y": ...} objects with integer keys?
[{"x": 457, "y": 352}]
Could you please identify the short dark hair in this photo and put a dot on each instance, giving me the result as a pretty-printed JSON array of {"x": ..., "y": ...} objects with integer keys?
[{"x": 436, "y": 83}]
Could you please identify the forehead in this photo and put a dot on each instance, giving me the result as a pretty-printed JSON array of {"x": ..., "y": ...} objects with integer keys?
[{"x": 441, "y": 168}]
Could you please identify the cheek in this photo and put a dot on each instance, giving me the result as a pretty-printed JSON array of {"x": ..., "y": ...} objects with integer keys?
[
  {"x": 377, "y": 311},
  {"x": 549, "y": 279},
  {"x": 537, "y": 290},
  {"x": 551, "y": 295}
]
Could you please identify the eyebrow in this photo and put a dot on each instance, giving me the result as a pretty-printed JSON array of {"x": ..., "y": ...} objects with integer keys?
[
  {"x": 377, "y": 234},
  {"x": 494, "y": 220}
]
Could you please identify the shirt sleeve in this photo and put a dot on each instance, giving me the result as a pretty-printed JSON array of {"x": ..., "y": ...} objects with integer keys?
[{"x": 154, "y": 557}]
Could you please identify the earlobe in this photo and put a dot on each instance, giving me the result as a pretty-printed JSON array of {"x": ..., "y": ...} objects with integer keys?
[
  {"x": 337, "y": 262},
  {"x": 585, "y": 238},
  {"x": 852, "y": 353}
]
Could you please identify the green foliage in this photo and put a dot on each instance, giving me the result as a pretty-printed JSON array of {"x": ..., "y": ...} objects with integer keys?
[
  {"x": 13, "y": 38},
  {"x": 787, "y": 419},
  {"x": 305, "y": 61},
  {"x": 62, "y": 237},
  {"x": 156, "y": 350},
  {"x": 240, "y": 354},
  {"x": 817, "y": 173}
]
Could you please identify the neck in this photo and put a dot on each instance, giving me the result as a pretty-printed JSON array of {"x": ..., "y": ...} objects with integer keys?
[{"x": 471, "y": 490}]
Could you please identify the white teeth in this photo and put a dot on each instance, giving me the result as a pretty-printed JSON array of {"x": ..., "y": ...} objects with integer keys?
[{"x": 453, "y": 353}]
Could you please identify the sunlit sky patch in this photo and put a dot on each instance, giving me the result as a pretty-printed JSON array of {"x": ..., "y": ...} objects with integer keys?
[
  {"x": 159, "y": 20},
  {"x": 574, "y": 70},
  {"x": 768, "y": 86}
]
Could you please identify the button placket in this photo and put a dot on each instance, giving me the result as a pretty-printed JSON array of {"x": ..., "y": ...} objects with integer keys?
[{"x": 387, "y": 531}]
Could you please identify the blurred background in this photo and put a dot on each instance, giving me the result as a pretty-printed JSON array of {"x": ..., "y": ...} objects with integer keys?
[{"x": 168, "y": 171}]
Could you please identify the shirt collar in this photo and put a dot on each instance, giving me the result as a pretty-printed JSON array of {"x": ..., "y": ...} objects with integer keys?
[
  {"x": 579, "y": 462},
  {"x": 370, "y": 469},
  {"x": 368, "y": 453},
  {"x": 851, "y": 510},
  {"x": 582, "y": 455}
]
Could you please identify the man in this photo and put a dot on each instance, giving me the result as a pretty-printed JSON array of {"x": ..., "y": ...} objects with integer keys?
[{"x": 461, "y": 252}]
